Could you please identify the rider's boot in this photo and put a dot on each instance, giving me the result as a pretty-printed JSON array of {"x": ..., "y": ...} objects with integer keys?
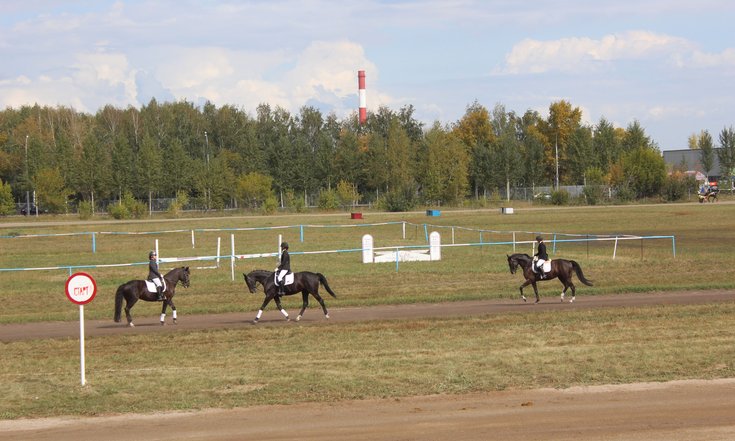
[
  {"x": 280, "y": 288},
  {"x": 159, "y": 293},
  {"x": 540, "y": 272}
]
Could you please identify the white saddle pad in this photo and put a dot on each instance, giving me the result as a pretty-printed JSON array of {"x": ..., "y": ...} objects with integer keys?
[
  {"x": 288, "y": 278},
  {"x": 152, "y": 286},
  {"x": 547, "y": 266}
]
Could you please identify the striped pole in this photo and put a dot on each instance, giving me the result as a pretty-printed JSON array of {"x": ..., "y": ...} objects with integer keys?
[{"x": 363, "y": 97}]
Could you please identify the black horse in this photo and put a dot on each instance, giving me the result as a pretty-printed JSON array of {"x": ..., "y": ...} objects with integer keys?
[
  {"x": 135, "y": 290},
  {"x": 304, "y": 282},
  {"x": 561, "y": 268}
]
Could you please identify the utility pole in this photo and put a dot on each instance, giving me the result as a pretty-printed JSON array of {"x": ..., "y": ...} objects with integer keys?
[
  {"x": 556, "y": 155},
  {"x": 207, "y": 190},
  {"x": 28, "y": 193}
]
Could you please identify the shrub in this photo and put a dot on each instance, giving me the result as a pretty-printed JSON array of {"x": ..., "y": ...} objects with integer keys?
[
  {"x": 675, "y": 187},
  {"x": 270, "y": 205},
  {"x": 127, "y": 207},
  {"x": 178, "y": 204},
  {"x": 118, "y": 211},
  {"x": 7, "y": 204},
  {"x": 593, "y": 194},
  {"x": 328, "y": 200},
  {"x": 560, "y": 197},
  {"x": 85, "y": 210},
  {"x": 401, "y": 199}
]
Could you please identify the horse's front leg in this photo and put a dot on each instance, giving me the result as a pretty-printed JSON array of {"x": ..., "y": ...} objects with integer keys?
[
  {"x": 267, "y": 300},
  {"x": 535, "y": 291},
  {"x": 280, "y": 308},
  {"x": 164, "y": 306},
  {"x": 166, "y": 302},
  {"x": 525, "y": 284}
]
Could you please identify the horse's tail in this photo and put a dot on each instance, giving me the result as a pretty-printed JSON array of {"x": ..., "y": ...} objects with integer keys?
[
  {"x": 580, "y": 275},
  {"x": 323, "y": 281},
  {"x": 118, "y": 303}
]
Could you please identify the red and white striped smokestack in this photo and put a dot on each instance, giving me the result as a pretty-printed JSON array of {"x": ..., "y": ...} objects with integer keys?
[{"x": 363, "y": 98}]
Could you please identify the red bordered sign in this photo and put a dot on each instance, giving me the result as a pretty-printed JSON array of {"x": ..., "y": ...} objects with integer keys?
[{"x": 81, "y": 288}]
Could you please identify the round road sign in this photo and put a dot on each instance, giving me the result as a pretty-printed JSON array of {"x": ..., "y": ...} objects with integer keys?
[{"x": 81, "y": 288}]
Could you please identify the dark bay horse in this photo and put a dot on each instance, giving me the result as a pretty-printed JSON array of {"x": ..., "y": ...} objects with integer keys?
[
  {"x": 304, "y": 282},
  {"x": 135, "y": 290},
  {"x": 561, "y": 268}
]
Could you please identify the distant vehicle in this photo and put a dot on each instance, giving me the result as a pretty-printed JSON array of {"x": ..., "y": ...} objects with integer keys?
[
  {"x": 24, "y": 210},
  {"x": 708, "y": 192}
]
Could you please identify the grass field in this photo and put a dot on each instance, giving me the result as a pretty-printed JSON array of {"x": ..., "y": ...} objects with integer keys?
[{"x": 327, "y": 362}]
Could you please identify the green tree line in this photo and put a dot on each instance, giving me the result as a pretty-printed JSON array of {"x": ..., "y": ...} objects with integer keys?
[{"x": 217, "y": 157}]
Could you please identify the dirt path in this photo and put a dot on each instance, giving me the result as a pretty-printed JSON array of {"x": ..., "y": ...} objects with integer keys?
[
  {"x": 675, "y": 411},
  {"x": 150, "y": 323}
]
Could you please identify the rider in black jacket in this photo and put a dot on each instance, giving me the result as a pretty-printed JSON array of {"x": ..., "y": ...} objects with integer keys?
[
  {"x": 540, "y": 257},
  {"x": 154, "y": 275},
  {"x": 284, "y": 267}
]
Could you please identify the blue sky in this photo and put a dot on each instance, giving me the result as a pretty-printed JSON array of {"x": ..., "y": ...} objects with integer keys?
[{"x": 669, "y": 64}]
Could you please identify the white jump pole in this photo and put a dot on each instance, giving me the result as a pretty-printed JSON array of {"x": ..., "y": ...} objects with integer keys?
[
  {"x": 192, "y": 239},
  {"x": 232, "y": 257},
  {"x": 278, "y": 247},
  {"x": 219, "y": 242},
  {"x": 404, "y": 229},
  {"x": 615, "y": 250},
  {"x": 514, "y": 241}
]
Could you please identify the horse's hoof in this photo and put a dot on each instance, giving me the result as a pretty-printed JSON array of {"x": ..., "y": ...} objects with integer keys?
[
  {"x": 288, "y": 319},
  {"x": 163, "y": 323},
  {"x": 572, "y": 300},
  {"x": 255, "y": 322},
  {"x": 131, "y": 325},
  {"x": 326, "y": 316},
  {"x": 175, "y": 321},
  {"x": 298, "y": 318}
]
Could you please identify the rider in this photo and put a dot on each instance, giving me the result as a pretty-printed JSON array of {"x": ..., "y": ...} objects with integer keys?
[
  {"x": 540, "y": 257},
  {"x": 154, "y": 275},
  {"x": 283, "y": 268}
]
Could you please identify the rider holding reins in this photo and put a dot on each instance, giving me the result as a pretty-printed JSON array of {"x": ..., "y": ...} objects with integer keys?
[{"x": 540, "y": 257}]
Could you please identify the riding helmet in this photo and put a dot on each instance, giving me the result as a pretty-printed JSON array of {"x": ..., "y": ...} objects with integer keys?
[
  {"x": 151, "y": 254},
  {"x": 284, "y": 245},
  {"x": 539, "y": 238}
]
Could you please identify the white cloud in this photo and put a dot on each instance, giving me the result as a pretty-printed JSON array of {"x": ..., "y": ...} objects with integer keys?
[{"x": 582, "y": 54}]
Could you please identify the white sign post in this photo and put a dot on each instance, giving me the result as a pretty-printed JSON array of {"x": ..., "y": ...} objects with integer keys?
[{"x": 81, "y": 289}]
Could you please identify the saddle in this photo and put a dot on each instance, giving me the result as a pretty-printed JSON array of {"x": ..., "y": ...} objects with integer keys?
[
  {"x": 287, "y": 279},
  {"x": 546, "y": 267},
  {"x": 151, "y": 287}
]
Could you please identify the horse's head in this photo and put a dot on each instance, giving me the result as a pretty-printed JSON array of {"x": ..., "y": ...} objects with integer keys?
[
  {"x": 512, "y": 264},
  {"x": 250, "y": 283},
  {"x": 184, "y": 276}
]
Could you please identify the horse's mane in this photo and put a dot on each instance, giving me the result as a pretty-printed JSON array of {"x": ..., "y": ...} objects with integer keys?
[
  {"x": 261, "y": 272},
  {"x": 520, "y": 255}
]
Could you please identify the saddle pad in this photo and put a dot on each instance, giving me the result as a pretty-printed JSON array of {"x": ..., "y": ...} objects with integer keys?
[
  {"x": 547, "y": 266},
  {"x": 288, "y": 278},
  {"x": 152, "y": 286}
]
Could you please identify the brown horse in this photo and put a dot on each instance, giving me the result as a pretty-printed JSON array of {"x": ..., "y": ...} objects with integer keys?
[
  {"x": 135, "y": 290},
  {"x": 304, "y": 282},
  {"x": 561, "y": 268}
]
